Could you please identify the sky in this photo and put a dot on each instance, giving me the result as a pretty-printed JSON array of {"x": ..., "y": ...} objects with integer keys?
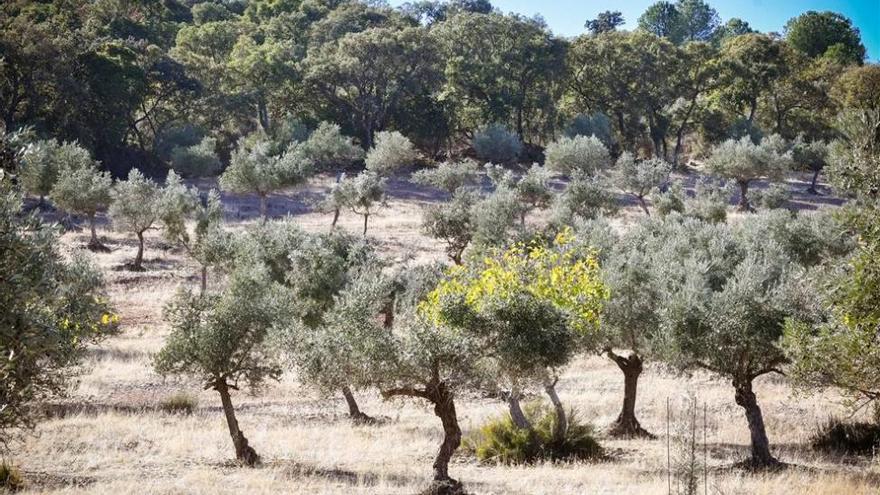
[{"x": 567, "y": 17}]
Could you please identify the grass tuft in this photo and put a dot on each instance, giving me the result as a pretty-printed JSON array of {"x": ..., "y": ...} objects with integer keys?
[
  {"x": 179, "y": 403},
  {"x": 11, "y": 478},
  {"x": 838, "y": 437}
]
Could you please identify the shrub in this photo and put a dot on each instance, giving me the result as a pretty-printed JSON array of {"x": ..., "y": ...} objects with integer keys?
[
  {"x": 774, "y": 196},
  {"x": 449, "y": 176},
  {"x": 501, "y": 441},
  {"x": 177, "y": 137},
  {"x": 710, "y": 201},
  {"x": 837, "y": 437},
  {"x": 327, "y": 148},
  {"x": 391, "y": 151},
  {"x": 42, "y": 163},
  {"x": 578, "y": 154},
  {"x": 497, "y": 144},
  {"x": 10, "y": 477},
  {"x": 179, "y": 403},
  {"x": 585, "y": 197},
  {"x": 199, "y": 160},
  {"x": 596, "y": 124}
]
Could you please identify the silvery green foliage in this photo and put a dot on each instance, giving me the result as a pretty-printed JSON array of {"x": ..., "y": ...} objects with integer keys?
[
  {"x": 252, "y": 169},
  {"x": 584, "y": 197},
  {"x": 223, "y": 337},
  {"x": 199, "y": 160},
  {"x": 52, "y": 313},
  {"x": 500, "y": 176},
  {"x": 709, "y": 201},
  {"x": 134, "y": 206},
  {"x": 362, "y": 194},
  {"x": 727, "y": 289},
  {"x": 854, "y": 160},
  {"x": 494, "y": 216},
  {"x": 350, "y": 343},
  {"x": 83, "y": 190},
  {"x": 391, "y": 151},
  {"x": 43, "y": 161},
  {"x": 533, "y": 188},
  {"x": 744, "y": 161},
  {"x": 772, "y": 197},
  {"x": 453, "y": 221},
  {"x": 496, "y": 144},
  {"x": 597, "y": 124},
  {"x": 812, "y": 155},
  {"x": 639, "y": 177},
  {"x": 327, "y": 148},
  {"x": 449, "y": 176},
  {"x": 178, "y": 204},
  {"x": 584, "y": 154}
]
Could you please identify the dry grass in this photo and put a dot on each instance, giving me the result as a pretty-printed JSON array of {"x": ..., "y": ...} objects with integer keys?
[{"x": 110, "y": 436}]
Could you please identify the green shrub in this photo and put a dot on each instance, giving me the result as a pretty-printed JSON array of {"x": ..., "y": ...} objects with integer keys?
[
  {"x": 774, "y": 196},
  {"x": 500, "y": 441},
  {"x": 837, "y": 437},
  {"x": 179, "y": 403},
  {"x": 199, "y": 160},
  {"x": 10, "y": 477},
  {"x": 584, "y": 154},
  {"x": 497, "y": 144}
]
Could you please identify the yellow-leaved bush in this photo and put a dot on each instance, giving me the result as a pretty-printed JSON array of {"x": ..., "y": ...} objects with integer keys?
[{"x": 560, "y": 273}]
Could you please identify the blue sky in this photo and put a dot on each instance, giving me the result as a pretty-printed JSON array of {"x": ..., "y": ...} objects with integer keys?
[{"x": 567, "y": 17}]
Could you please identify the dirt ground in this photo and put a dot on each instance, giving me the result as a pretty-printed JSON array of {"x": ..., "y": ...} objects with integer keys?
[{"x": 109, "y": 436}]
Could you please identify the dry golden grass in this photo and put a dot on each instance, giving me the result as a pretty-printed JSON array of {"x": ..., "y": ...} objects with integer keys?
[{"x": 113, "y": 438}]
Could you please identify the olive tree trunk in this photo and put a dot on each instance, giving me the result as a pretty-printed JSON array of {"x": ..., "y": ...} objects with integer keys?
[
  {"x": 626, "y": 424},
  {"x": 516, "y": 413},
  {"x": 812, "y": 189},
  {"x": 745, "y": 398},
  {"x": 644, "y": 205},
  {"x": 444, "y": 408},
  {"x": 744, "y": 196},
  {"x": 335, "y": 218},
  {"x": 94, "y": 243},
  {"x": 139, "y": 257},
  {"x": 561, "y": 426},
  {"x": 366, "y": 219},
  {"x": 204, "y": 280},
  {"x": 354, "y": 411},
  {"x": 243, "y": 452}
]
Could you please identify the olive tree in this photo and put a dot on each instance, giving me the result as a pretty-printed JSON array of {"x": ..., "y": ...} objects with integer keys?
[
  {"x": 417, "y": 359},
  {"x": 743, "y": 161},
  {"x": 585, "y": 197},
  {"x": 363, "y": 194},
  {"x": 640, "y": 177},
  {"x": 85, "y": 191},
  {"x": 584, "y": 154},
  {"x": 727, "y": 297},
  {"x": 54, "y": 309},
  {"x": 43, "y": 161},
  {"x": 133, "y": 209},
  {"x": 528, "y": 307},
  {"x": 453, "y": 222},
  {"x": 220, "y": 339},
  {"x": 178, "y": 204},
  {"x": 812, "y": 156},
  {"x": 252, "y": 169}
]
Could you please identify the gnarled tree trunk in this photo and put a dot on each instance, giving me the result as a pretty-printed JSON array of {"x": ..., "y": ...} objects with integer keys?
[
  {"x": 812, "y": 189},
  {"x": 366, "y": 218},
  {"x": 243, "y": 452},
  {"x": 745, "y": 398},
  {"x": 94, "y": 243},
  {"x": 626, "y": 424},
  {"x": 444, "y": 408}
]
